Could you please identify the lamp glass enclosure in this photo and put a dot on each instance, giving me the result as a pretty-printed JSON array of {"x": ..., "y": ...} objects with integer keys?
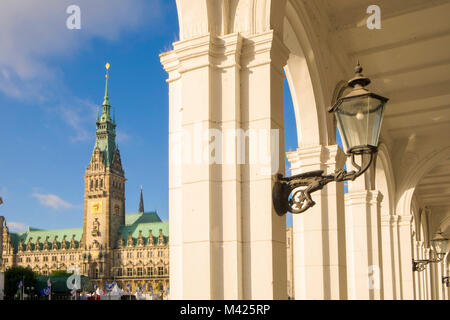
[
  {"x": 359, "y": 121},
  {"x": 439, "y": 243}
]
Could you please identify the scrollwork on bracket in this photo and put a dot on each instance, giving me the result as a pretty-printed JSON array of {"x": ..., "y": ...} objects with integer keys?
[{"x": 288, "y": 195}]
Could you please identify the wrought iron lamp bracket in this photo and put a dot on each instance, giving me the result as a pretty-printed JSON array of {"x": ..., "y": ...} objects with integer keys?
[
  {"x": 446, "y": 281},
  {"x": 293, "y": 193},
  {"x": 420, "y": 265}
]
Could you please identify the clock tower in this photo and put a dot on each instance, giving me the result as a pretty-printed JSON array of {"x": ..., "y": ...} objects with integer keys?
[{"x": 104, "y": 187}]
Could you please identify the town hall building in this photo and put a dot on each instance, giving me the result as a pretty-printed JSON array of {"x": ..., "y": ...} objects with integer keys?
[{"x": 111, "y": 245}]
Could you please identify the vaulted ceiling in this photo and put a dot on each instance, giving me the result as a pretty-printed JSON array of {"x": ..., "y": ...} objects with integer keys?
[{"x": 408, "y": 60}]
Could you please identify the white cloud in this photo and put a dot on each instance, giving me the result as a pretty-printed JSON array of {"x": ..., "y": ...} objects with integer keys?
[
  {"x": 122, "y": 136},
  {"x": 16, "y": 226},
  {"x": 33, "y": 32},
  {"x": 78, "y": 115},
  {"x": 52, "y": 201}
]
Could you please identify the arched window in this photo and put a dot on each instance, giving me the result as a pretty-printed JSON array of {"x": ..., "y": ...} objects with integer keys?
[
  {"x": 91, "y": 184},
  {"x": 101, "y": 183},
  {"x": 96, "y": 183}
]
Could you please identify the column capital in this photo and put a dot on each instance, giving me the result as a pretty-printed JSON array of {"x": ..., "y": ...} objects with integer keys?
[
  {"x": 405, "y": 220},
  {"x": 316, "y": 158},
  {"x": 362, "y": 197},
  {"x": 263, "y": 49},
  {"x": 389, "y": 220},
  {"x": 170, "y": 63}
]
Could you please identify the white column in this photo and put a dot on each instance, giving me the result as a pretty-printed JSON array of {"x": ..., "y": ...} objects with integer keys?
[
  {"x": 171, "y": 65},
  {"x": 319, "y": 233},
  {"x": 389, "y": 283},
  {"x": 427, "y": 274},
  {"x": 226, "y": 240},
  {"x": 364, "y": 255},
  {"x": 405, "y": 245},
  {"x": 419, "y": 281},
  {"x": 439, "y": 274},
  {"x": 396, "y": 257},
  {"x": 263, "y": 231}
]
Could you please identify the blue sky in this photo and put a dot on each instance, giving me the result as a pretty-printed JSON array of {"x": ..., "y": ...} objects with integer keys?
[{"x": 51, "y": 82}]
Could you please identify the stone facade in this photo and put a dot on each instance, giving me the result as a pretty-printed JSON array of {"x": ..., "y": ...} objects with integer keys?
[{"x": 112, "y": 245}]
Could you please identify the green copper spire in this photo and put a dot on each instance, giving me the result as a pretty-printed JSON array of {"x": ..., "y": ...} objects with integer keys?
[
  {"x": 106, "y": 99},
  {"x": 106, "y": 128}
]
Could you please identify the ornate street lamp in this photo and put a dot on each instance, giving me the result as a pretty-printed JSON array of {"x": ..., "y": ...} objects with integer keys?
[
  {"x": 446, "y": 281},
  {"x": 359, "y": 115},
  {"x": 439, "y": 245}
]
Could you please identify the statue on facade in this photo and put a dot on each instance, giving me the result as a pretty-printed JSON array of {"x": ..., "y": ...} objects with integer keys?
[
  {"x": 95, "y": 228},
  {"x": 129, "y": 240},
  {"x": 150, "y": 241},
  {"x": 38, "y": 244},
  {"x": 29, "y": 244},
  {"x": 140, "y": 241},
  {"x": 46, "y": 244},
  {"x": 73, "y": 244},
  {"x": 161, "y": 237},
  {"x": 55, "y": 243},
  {"x": 64, "y": 243}
]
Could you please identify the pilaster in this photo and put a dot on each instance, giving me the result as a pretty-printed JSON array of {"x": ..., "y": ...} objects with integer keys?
[
  {"x": 405, "y": 252},
  {"x": 222, "y": 87},
  {"x": 319, "y": 233},
  {"x": 364, "y": 253}
]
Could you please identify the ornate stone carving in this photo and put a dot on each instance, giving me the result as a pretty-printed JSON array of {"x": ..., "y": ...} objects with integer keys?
[
  {"x": 55, "y": 243},
  {"x": 161, "y": 238},
  {"x": 150, "y": 241},
  {"x": 46, "y": 244},
  {"x": 29, "y": 244},
  {"x": 38, "y": 244},
  {"x": 120, "y": 242},
  {"x": 64, "y": 243},
  {"x": 73, "y": 244},
  {"x": 95, "y": 228},
  {"x": 140, "y": 241},
  {"x": 129, "y": 240}
]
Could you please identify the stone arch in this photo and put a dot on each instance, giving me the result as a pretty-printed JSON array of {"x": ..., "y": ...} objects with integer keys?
[
  {"x": 406, "y": 191},
  {"x": 217, "y": 17},
  {"x": 305, "y": 81}
]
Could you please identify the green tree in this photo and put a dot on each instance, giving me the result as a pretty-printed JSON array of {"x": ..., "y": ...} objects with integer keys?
[
  {"x": 13, "y": 276},
  {"x": 57, "y": 273}
]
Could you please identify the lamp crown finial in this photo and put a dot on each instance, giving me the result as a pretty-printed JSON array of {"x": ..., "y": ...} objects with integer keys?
[{"x": 358, "y": 68}]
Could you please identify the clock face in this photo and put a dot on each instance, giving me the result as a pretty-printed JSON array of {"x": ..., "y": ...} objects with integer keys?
[{"x": 96, "y": 207}]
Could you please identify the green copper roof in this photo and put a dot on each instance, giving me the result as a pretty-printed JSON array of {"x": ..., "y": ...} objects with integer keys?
[
  {"x": 106, "y": 98},
  {"x": 106, "y": 131},
  {"x": 144, "y": 222},
  {"x": 134, "y": 222},
  {"x": 145, "y": 228},
  {"x": 141, "y": 217},
  {"x": 43, "y": 234}
]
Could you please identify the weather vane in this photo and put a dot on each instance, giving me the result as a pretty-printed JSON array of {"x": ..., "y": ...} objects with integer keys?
[{"x": 107, "y": 68}]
